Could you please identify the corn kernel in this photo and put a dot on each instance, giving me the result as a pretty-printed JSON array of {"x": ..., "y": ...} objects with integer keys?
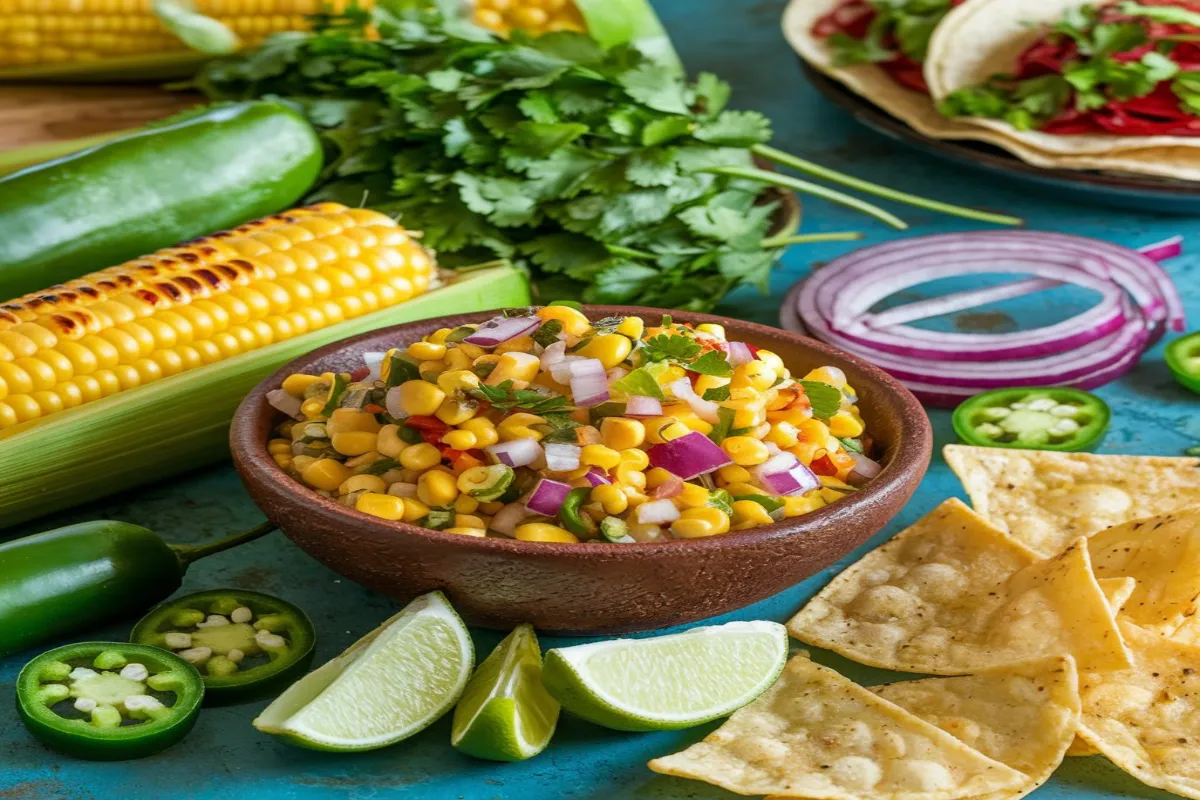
[
  {"x": 380, "y": 505},
  {"x": 844, "y": 424},
  {"x": 460, "y": 440},
  {"x": 541, "y": 531},
  {"x": 783, "y": 434},
  {"x": 388, "y": 441},
  {"x": 597, "y": 455},
  {"x": 611, "y": 498},
  {"x": 692, "y": 496},
  {"x": 354, "y": 443},
  {"x": 282, "y": 460},
  {"x": 684, "y": 414},
  {"x": 514, "y": 367},
  {"x": 756, "y": 375},
  {"x": 517, "y": 426},
  {"x": 456, "y": 360},
  {"x": 745, "y": 450},
  {"x": 420, "y": 456},
  {"x": 313, "y": 409},
  {"x": 620, "y": 433},
  {"x": 664, "y": 429},
  {"x": 694, "y": 523},
  {"x": 611, "y": 349},
  {"x": 732, "y": 473},
  {"x": 414, "y": 509},
  {"x": 439, "y": 336},
  {"x": 484, "y": 430},
  {"x": 831, "y": 375},
  {"x": 427, "y": 351},
  {"x": 349, "y": 420},
  {"x": 457, "y": 380},
  {"x": 478, "y": 533},
  {"x": 279, "y": 447},
  {"x": 657, "y": 477},
  {"x": 739, "y": 489},
  {"x": 574, "y": 322},
  {"x": 772, "y": 360},
  {"x": 297, "y": 384},
  {"x": 633, "y": 327},
  {"x": 797, "y": 505},
  {"x": 706, "y": 382},
  {"x": 420, "y": 398},
  {"x": 455, "y": 412},
  {"x": 628, "y": 475},
  {"x": 468, "y": 521},
  {"x": 712, "y": 329},
  {"x": 465, "y": 504},
  {"x": 635, "y": 458},
  {"x": 749, "y": 511},
  {"x": 325, "y": 473},
  {"x": 363, "y": 483},
  {"x": 301, "y": 463}
]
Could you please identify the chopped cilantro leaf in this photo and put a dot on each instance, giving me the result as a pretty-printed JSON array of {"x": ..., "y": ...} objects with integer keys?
[
  {"x": 559, "y": 429},
  {"x": 724, "y": 424},
  {"x": 670, "y": 348},
  {"x": 826, "y": 400},
  {"x": 504, "y": 396},
  {"x": 717, "y": 393},
  {"x": 548, "y": 333},
  {"x": 712, "y": 363}
]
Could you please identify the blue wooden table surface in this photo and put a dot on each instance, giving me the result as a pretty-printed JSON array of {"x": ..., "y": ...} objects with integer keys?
[{"x": 226, "y": 758}]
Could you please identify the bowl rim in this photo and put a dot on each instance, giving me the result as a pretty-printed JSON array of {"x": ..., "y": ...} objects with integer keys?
[{"x": 912, "y": 451}]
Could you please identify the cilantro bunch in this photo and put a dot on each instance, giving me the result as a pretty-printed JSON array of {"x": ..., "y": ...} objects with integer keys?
[{"x": 601, "y": 171}]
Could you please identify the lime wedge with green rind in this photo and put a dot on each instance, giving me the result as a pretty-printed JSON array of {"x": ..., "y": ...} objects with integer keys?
[
  {"x": 667, "y": 682},
  {"x": 505, "y": 714},
  {"x": 392, "y": 683}
]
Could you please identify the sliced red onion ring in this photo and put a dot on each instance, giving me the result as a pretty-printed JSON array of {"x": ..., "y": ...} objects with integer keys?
[
  {"x": 1138, "y": 302},
  {"x": 548, "y": 497},
  {"x": 562, "y": 457},
  {"x": 657, "y": 512},
  {"x": 589, "y": 382},
  {"x": 688, "y": 456},
  {"x": 739, "y": 353},
  {"x": 374, "y": 362},
  {"x": 638, "y": 406},
  {"x": 784, "y": 474},
  {"x": 498, "y": 330},
  {"x": 597, "y": 477},
  {"x": 1161, "y": 251},
  {"x": 280, "y": 400},
  {"x": 516, "y": 453},
  {"x": 705, "y": 409}
]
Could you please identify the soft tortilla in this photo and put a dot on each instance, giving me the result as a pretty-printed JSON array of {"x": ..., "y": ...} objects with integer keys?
[
  {"x": 816, "y": 734},
  {"x": 1023, "y": 715},
  {"x": 1046, "y": 499},
  {"x": 1146, "y": 719},
  {"x": 983, "y": 37},
  {"x": 953, "y": 595}
]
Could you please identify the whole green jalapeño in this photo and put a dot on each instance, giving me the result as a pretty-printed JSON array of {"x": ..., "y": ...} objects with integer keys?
[
  {"x": 109, "y": 701},
  {"x": 1054, "y": 418},
  {"x": 246, "y": 645},
  {"x": 1183, "y": 359}
]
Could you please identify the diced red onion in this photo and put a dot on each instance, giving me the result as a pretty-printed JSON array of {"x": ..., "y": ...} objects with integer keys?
[
  {"x": 616, "y": 373},
  {"x": 784, "y": 474},
  {"x": 688, "y": 456},
  {"x": 671, "y": 487},
  {"x": 597, "y": 477},
  {"x": 638, "y": 406},
  {"x": 280, "y": 400},
  {"x": 548, "y": 497},
  {"x": 739, "y": 353},
  {"x": 865, "y": 468},
  {"x": 391, "y": 402},
  {"x": 498, "y": 330},
  {"x": 554, "y": 354},
  {"x": 562, "y": 457},
  {"x": 515, "y": 453},
  {"x": 589, "y": 383},
  {"x": 704, "y": 409},
  {"x": 1138, "y": 302},
  {"x": 374, "y": 362},
  {"x": 657, "y": 512},
  {"x": 508, "y": 518}
]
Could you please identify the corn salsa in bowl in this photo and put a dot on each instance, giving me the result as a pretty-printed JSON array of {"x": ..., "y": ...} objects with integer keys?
[{"x": 541, "y": 425}]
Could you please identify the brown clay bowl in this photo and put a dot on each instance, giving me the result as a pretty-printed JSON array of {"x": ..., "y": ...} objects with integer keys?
[{"x": 589, "y": 588}]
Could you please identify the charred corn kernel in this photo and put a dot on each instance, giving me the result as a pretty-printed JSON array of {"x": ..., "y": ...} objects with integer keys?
[
  {"x": 518, "y": 426},
  {"x": 657, "y": 477},
  {"x": 621, "y": 433},
  {"x": 388, "y": 441},
  {"x": 611, "y": 349},
  {"x": 739, "y": 489},
  {"x": 427, "y": 351},
  {"x": 313, "y": 409},
  {"x": 664, "y": 429},
  {"x": 745, "y": 450},
  {"x": 354, "y": 443},
  {"x": 484, "y": 430},
  {"x": 542, "y": 531},
  {"x": 468, "y": 521},
  {"x": 456, "y": 360},
  {"x": 706, "y": 382},
  {"x": 633, "y": 327},
  {"x": 732, "y": 473},
  {"x": 683, "y": 414},
  {"x": 749, "y": 511},
  {"x": 363, "y": 483},
  {"x": 772, "y": 360},
  {"x": 439, "y": 336},
  {"x": 346, "y": 420},
  {"x": 694, "y": 523},
  {"x": 574, "y": 322},
  {"x": 478, "y": 533},
  {"x": 457, "y": 380},
  {"x": 783, "y": 434},
  {"x": 514, "y": 367},
  {"x": 797, "y": 505},
  {"x": 465, "y": 504},
  {"x": 420, "y": 398},
  {"x": 437, "y": 488},
  {"x": 420, "y": 456},
  {"x": 278, "y": 446},
  {"x": 597, "y": 455},
  {"x": 414, "y": 509},
  {"x": 635, "y": 458},
  {"x": 454, "y": 411},
  {"x": 831, "y": 375},
  {"x": 380, "y": 505},
  {"x": 325, "y": 473},
  {"x": 692, "y": 496},
  {"x": 297, "y": 384},
  {"x": 611, "y": 498},
  {"x": 460, "y": 440},
  {"x": 844, "y": 424}
]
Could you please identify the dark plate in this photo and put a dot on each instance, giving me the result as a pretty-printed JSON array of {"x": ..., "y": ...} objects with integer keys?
[{"x": 1126, "y": 191}]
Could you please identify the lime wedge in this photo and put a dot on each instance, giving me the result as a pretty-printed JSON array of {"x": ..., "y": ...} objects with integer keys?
[
  {"x": 668, "y": 682},
  {"x": 505, "y": 713},
  {"x": 390, "y": 684}
]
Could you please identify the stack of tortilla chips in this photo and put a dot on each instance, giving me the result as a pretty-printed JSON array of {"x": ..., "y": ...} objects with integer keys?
[{"x": 1061, "y": 611}]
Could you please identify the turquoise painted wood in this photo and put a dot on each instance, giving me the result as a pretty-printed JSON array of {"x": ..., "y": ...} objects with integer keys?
[{"x": 226, "y": 758}]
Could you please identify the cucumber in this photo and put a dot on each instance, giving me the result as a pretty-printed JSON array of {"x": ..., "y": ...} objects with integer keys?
[{"x": 100, "y": 207}]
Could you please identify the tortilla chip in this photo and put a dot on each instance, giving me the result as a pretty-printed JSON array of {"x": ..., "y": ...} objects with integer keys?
[
  {"x": 1047, "y": 499},
  {"x": 1146, "y": 719},
  {"x": 1081, "y": 749},
  {"x": 1117, "y": 591},
  {"x": 1163, "y": 555},
  {"x": 1023, "y": 715},
  {"x": 816, "y": 734},
  {"x": 953, "y": 595}
]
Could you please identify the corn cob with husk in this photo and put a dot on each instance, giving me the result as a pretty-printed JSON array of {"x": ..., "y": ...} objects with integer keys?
[{"x": 132, "y": 373}]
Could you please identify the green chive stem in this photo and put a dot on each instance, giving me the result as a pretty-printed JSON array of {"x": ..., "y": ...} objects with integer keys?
[{"x": 810, "y": 238}]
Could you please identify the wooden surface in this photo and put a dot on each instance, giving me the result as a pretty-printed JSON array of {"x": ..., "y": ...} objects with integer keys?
[{"x": 33, "y": 115}]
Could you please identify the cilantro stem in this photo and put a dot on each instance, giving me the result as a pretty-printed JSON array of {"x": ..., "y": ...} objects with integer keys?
[
  {"x": 816, "y": 170},
  {"x": 628, "y": 252},
  {"x": 809, "y": 238},
  {"x": 797, "y": 185}
]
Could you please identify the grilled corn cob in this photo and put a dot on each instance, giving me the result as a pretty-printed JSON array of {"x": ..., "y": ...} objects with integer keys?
[{"x": 209, "y": 300}]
